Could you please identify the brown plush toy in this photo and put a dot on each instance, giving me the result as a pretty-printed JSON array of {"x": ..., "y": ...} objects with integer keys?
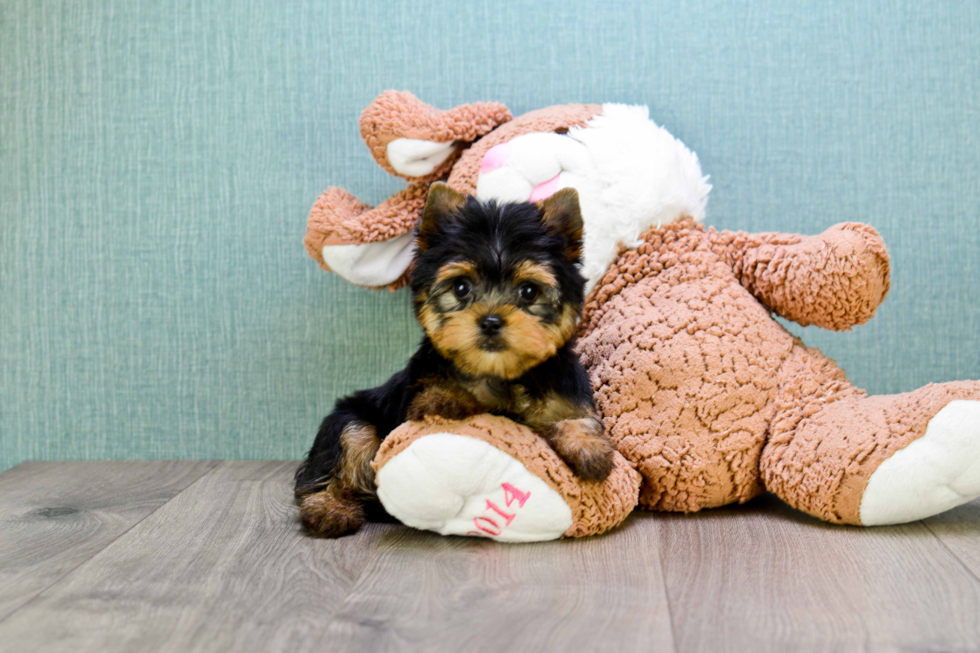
[{"x": 699, "y": 387}]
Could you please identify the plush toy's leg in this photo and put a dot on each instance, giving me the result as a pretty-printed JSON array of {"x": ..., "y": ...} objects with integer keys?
[
  {"x": 848, "y": 458},
  {"x": 489, "y": 477}
]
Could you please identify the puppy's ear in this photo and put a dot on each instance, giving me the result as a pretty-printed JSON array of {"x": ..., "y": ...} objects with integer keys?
[
  {"x": 562, "y": 215},
  {"x": 441, "y": 202}
]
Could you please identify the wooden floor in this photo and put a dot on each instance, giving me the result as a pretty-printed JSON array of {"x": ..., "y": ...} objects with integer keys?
[{"x": 208, "y": 556}]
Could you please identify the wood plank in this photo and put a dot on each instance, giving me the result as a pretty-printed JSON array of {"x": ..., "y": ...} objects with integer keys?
[
  {"x": 423, "y": 592},
  {"x": 763, "y": 577},
  {"x": 55, "y": 516},
  {"x": 959, "y": 530},
  {"x": 222, "y": 567}
]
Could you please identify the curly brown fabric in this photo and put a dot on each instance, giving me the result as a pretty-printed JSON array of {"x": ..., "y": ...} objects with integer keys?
[
  {"x": 596, "y": 507},
  {"x": 828, "y": 437},
  {"x": 713, "y": 400},
  {"x": 680, "y": 357},
  {"x": 835, "y": 280},
  {"x": 395, "y": 114},
  {"x": 339, "y": 218}
]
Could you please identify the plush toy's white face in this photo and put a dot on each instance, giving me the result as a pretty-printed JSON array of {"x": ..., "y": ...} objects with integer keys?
[{"x": 630, "y": 175}]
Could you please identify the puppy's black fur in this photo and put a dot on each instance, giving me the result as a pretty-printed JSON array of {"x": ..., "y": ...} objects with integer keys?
[{"x": 497, "y": 289}]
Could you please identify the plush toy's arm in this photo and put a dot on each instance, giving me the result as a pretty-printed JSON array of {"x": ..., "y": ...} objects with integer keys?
[
  {"x": 366, "y": 246},
  {"x": 491, "y": 477},
  {"x": 835, "y": 280}
]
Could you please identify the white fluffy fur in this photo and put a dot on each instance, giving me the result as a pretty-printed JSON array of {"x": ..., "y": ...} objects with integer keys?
[{"x": 631, "y": 175}]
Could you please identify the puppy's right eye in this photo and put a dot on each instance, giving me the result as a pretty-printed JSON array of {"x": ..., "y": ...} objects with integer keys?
[{"x": 461, "y": 287}]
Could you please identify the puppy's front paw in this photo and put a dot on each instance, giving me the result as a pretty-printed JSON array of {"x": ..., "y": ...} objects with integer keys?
[
  {"x": 581, "y": 444},
  {"x": 437, "y": 401}
]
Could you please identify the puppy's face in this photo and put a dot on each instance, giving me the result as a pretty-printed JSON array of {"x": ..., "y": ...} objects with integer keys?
[{"x": 497, "y": 287}]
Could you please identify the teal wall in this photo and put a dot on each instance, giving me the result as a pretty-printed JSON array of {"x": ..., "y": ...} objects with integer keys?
[{"x": 157, "y": 162}]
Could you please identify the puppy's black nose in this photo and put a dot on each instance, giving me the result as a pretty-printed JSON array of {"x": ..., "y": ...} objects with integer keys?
[{"x": 490, "y": 325}]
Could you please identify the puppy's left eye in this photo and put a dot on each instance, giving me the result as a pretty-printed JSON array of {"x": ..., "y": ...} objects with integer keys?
[{"x": 529, "y": 292}]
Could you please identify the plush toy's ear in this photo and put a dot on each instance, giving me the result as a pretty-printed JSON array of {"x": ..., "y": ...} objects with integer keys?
[
  {"x": 415, "y": 141},
  {"x": 442, "y": 202},
  {"x": 562, "y": 214}
]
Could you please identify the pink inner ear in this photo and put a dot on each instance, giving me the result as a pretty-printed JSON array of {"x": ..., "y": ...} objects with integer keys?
[
  {"x": 495, "y": 157},
  {"x": 545, "y": 189}
]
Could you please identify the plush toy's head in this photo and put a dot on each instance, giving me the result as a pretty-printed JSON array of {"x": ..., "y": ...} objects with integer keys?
[
  {"x": 497, "y": 287},
  {"x": 630, "y": 175}
]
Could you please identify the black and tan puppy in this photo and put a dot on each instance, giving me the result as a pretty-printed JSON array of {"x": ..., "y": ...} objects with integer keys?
[{"x": 497, "y": 290}]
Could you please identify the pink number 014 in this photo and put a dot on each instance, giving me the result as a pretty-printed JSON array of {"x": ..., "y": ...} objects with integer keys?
[{"x": 485, "y": 523}]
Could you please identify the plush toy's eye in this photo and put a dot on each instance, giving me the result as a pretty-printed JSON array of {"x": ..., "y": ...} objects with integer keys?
[
  {"x": 529, "y": 292},
  {"x": 461, "y": 287}
]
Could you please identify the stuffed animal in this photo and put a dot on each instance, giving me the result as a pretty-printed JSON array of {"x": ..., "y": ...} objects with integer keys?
[
  {"x": 491, "y": 477},
  {"x": 700, "y": 389}
]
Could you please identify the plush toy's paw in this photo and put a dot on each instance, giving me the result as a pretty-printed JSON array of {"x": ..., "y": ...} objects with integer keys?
[
  {"x": 934, "y": 473},
  {"x": 368, "y": 246},
  {"x": 582, "y": 446},
  {"x": 490, "y": 477},
  {"x": 456, "y": 485}
]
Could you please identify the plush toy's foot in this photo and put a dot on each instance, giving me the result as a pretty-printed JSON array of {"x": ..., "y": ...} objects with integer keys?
[
  {"x": 939, "y": 471},
  {"x": 887, "y": 459},
  {"x": 489, "y": 477},
  {"x": 456, "y": 485}
]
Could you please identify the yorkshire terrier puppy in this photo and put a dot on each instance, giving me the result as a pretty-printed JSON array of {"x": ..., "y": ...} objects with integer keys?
[{"x": 497, "y": 289}]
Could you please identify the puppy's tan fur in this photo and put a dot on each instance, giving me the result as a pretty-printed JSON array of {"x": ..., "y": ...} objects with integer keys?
[{"x": 338, "y": 508}]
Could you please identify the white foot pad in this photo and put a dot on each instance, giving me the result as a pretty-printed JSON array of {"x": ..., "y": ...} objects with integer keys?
[
  {"x": 939, "y": 471},
  {"x": 456, "y": 485},
  {"x": 373, "y": 264}
]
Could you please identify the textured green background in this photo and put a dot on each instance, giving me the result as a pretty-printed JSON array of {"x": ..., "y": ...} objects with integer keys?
[{"x": 157, "y": 162}]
